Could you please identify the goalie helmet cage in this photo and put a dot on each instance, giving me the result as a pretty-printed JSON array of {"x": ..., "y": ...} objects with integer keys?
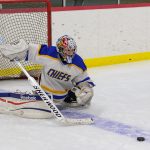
[{"x": 23, "y": 19}]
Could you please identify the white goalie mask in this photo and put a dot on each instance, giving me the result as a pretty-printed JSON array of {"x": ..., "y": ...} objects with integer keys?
[{"x": 66, "y": 47}]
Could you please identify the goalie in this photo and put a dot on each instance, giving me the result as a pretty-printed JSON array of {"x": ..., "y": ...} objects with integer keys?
[{"x": 64, "y": 72}]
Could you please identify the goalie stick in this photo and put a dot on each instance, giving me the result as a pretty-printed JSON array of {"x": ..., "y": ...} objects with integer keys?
[{"x": 49, "y": 101}]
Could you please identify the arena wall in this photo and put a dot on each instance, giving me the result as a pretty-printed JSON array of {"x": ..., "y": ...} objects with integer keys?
[{"x": 106, "y": 34}]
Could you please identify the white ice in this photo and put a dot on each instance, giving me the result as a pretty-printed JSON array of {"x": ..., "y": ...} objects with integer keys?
[{"x": 122, "y": 94}]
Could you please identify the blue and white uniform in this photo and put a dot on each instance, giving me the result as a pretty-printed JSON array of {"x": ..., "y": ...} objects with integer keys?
[
  {"x": 62, "y": 70},
  {"x": 58, "y": 77}
]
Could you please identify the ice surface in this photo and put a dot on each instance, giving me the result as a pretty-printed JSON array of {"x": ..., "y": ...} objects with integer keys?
[{"x": 120, "y": 107}]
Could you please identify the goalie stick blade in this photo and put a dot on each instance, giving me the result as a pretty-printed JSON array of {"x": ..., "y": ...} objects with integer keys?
[{"x": 83, "y": 121}]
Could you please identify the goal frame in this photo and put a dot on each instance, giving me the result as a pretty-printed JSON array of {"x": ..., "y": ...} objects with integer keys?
[
  {"x": 48, "y": 10},
  {"x": 33, "y": 69}
]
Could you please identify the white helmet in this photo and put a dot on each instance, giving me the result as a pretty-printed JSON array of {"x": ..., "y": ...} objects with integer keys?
[{"x": 66, "y": 47}]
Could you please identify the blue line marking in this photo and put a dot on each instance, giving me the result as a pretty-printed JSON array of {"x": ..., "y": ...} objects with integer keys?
[
  {"x": 105, "y": 124},
  {"x": 109, "y": 125}
]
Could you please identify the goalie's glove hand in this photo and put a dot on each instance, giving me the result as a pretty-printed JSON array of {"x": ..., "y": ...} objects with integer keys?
[
  {"x": 84, "y": 95},
  {"x": 70, "y": 98},
  {"x": 79, "y": 97},
  {"x": 17, "y": 50}
]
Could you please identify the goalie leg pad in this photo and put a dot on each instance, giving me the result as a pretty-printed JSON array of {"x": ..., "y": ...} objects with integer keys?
[{"x": 23, "y": 108}]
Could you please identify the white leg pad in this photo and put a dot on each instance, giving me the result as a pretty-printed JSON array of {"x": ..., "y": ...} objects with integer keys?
[{"x": 25, "y": 108}]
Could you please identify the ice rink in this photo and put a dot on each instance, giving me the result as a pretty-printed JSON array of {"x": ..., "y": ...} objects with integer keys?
[{"x": 120, "y": 108}]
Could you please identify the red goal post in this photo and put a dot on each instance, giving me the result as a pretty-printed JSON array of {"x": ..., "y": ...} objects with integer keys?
[{"x": 23, "y": 19}]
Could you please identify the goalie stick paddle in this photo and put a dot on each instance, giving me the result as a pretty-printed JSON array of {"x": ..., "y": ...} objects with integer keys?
[{"x": 49, "y": 101}]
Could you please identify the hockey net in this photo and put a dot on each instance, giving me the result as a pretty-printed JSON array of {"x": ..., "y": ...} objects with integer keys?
[{"x": 23, "y": 19}]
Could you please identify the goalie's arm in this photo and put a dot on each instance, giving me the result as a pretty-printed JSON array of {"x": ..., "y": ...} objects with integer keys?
[
  {"x": 17, "y": 50},
  {"x": 21, "y": 50}
]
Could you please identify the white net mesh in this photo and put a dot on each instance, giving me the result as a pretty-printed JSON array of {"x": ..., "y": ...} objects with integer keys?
[{"x": 25, "y": 23}]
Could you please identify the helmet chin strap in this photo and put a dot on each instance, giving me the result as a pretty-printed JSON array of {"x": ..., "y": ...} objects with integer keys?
[{"x": 67, "y": 60}]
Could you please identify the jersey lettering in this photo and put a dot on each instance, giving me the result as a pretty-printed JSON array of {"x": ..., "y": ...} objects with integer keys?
[{"x": 59, "y": 75}]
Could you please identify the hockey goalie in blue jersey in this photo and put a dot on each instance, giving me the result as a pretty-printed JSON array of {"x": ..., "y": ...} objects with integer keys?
[{"x": 64, "y": 72}]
